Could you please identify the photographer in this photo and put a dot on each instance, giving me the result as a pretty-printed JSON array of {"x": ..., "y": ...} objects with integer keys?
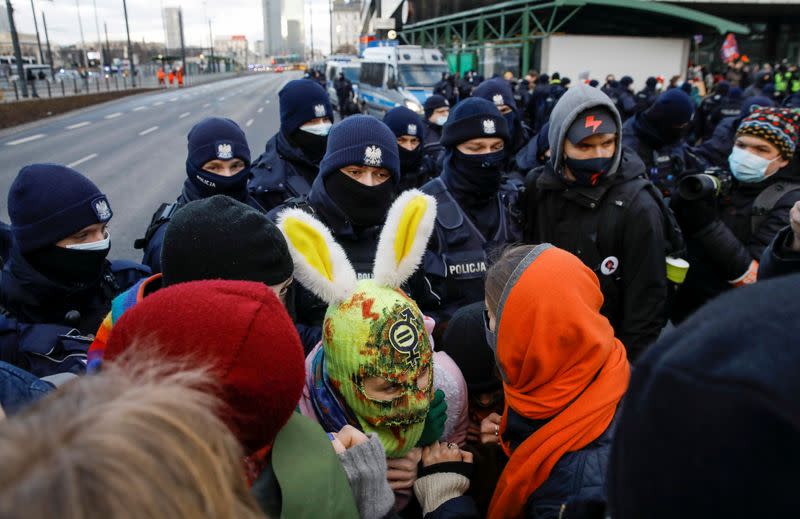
[{"x": 729, "y": 223}]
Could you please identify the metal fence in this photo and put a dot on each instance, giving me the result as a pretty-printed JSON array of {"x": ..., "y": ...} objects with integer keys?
[{"x": 11, "y": 90}]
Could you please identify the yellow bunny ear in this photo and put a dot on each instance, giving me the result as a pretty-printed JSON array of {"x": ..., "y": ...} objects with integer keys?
[
  {"x": 320, "y": 264},
  {"x": 404, "y": 238}
]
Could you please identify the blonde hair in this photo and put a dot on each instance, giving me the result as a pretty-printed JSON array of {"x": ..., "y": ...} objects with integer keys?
[{"x": 139, "y": 439}]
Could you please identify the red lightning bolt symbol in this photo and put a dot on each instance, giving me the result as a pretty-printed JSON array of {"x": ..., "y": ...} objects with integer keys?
[{"x": 593, "y": 123}]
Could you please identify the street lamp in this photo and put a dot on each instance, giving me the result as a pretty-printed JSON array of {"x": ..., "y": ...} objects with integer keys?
[
  {"x": 36, "y": 26},
  {"x": 17, "y": 51},
  {"x": 130, "y": 49}
]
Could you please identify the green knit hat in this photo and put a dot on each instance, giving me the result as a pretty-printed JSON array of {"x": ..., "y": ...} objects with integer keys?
[{"x": 372, "y": 328}]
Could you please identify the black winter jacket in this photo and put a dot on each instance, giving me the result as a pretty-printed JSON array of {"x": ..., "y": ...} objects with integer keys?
[
  {"x": 282, "y": 172},
  {"x": 571, "y": 218}
]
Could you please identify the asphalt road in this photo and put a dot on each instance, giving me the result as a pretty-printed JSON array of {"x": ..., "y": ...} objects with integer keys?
[{"x": 134, "y": 149}]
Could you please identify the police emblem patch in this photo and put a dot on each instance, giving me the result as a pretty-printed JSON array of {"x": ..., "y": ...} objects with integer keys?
[
  {"x": 319, "y": 110},
  {"x": 412, "y": 129},
  {"x": 498, "y": 99},
  {"x": 489, "y": 127},
  {"x": 102, "y": 209},
  {"x": 373, "y": 156},
  {"x": 224, "y": 151}
]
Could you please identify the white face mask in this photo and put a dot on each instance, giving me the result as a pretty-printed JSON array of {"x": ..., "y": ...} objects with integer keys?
[
  {"x": 748, "y": 167},
  {"x": 320, "y": 129},
  {"x": 440, "y": 120},
  {"x": 95, "y": 245}
]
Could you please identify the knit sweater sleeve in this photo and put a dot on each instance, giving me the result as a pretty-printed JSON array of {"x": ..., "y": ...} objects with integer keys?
[{"x": 365, "y": 465}]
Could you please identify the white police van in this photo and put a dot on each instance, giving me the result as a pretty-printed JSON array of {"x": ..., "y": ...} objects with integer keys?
[{"x": 403, "y": 75}]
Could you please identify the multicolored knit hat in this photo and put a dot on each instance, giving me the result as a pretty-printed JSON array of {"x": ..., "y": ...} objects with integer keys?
[
  {"x": 778, "y": 126},
  {"x": 371, "y": 328}
]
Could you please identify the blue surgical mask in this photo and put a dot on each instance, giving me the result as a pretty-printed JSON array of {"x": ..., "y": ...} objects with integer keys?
[
  {"x": 748, "y": 167},
  {"x": 320, "y": 129},
  {"x": 103, "y": 244},
  {"x": 440, "y": 120}
]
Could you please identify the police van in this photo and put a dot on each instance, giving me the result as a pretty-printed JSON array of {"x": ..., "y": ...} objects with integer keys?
[{"x": 398, "y": 76}]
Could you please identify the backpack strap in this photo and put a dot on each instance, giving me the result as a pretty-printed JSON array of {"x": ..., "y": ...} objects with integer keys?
[
  {"x": 766, "y": 201},
  {"x": 162, "y": 215}
]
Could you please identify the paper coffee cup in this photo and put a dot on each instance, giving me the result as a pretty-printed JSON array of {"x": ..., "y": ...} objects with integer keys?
[{"x": 677, "y": 269}]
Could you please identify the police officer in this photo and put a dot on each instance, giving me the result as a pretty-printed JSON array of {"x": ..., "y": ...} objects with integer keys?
[
  {"x": 713, "y": 108},
  {"x": 625, "y": 101},
  {"x": 763, "y": 79},
  {"x": 715, "y": 150},
  {"x": 590, "y": 199},
  {"x": 727, "y": 234},
  {"x": 499, "y": 92},
  {"x": 658, "y": 136},
  {"x": 474, "y": 208},
  {"x": 290, "y": 162},
  {"x": 357, "y": 183},
  {"x": 344, "y": 93},
  {"x": 541, "y": 103},
  {"x": 57, "y": 285},
  {"x": 415, "y": 167},
  {"x": 646, "y": 96},
  {"x": 218, "y": 163},
  {"x": 437, "y": 109}
]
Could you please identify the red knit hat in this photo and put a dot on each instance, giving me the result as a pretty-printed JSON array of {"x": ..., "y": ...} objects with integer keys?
[{"x": 242, "y": 331}]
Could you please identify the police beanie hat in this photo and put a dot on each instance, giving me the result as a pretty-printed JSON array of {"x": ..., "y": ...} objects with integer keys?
[
  {"x": 241, "y": 332},
  {"x": 403, "y": 121},
  {"x": 302, "y": 100},
  {"x": 464, "y": 341},
  {"x": 433, "y": 102},
  {"x": 49, "y": 202},
  {"x": 361, "y": 140},
  {"x": 723, "y": 88},
  {"x": 751, "y": 103},
  {"x": 496, "y": 90},
  {"x": 474, "y": 118},
  {"x": 778, "y": 126},
  {"x": 216, "y": 138},
  {"x": 626, "y": 81},
  {"x": 673, "y": 108},
  {"x": 222, "y": 238}
]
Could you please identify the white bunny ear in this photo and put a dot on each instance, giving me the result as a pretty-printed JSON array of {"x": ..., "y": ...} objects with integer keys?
[
  {"x": 320, "y": 263},
  {"x": 404, "y": 238}
]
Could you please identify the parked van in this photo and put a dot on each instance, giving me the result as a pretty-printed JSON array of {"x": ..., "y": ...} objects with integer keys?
[{"x": 398, "y": 76}]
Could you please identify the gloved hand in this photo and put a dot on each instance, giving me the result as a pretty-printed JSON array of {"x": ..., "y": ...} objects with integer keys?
[
  {"x": 434, "y": 422},
  {"x": 693, "y": 215}
]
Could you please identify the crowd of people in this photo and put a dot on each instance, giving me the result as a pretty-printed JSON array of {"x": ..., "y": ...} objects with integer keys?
[{"x": 538, "y": 299}]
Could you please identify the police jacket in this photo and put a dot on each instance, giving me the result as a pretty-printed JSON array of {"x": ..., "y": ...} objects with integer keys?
[
  {"x": 358, "y": 243},
  {"x": 716, "y": 149},
  {"x": 578, "y": 476},
  {"x": 420, "y": 176},
  {"x": 625, "y": 102},
  {"x": 45, "y": 327},
  {"x": 282, "y": 172},
  {"x": 664, "y": 163},
  {"x": 456, "y": 259},
  {"x": 746, "y": 222},
  {"x": 153, "y": 240},
  {"x": 433, "y": 134},
  {"x": 617, "y": 229}
]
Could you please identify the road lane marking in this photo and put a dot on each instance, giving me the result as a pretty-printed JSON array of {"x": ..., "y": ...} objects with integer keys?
[
  {"x": 113, "y": 116},
  {"x": 260, "y": 109},
  {"x": 139, "y": 108},
  {"x": 149, "y": 130},
  {"x": 158, "y": 103},
  {"x": 25, "y": 139},
  {"x": 221, "y": 98},
  {"x": 184, "y": 114},
  {"x": 249, "y": 122},
  {"x": 173, "y": 99},
  {"x": 266, "y": 102},
  {"x": 206, "y": 105},
  {"x": 81, "y": 161},
  {"x": 78, "y": 125}
]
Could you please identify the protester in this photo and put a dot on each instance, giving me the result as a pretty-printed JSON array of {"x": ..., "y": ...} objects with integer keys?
[
  {"x": 148, "y": 426},
  {"x": 415, "y": 167},
  {"x": 727, "y": 235},
  {"x": 290, "y": 163},
  {"x": 560, "y": 402},
  {"x": 217, "y": 163},
  {"x": 590, "y": 199},
  {"x": 57, "y": 284},
  {"x": 475, "y": 209}
]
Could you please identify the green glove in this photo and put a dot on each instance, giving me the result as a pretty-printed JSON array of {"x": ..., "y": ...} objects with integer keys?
[{"x": 434, "y": 422}]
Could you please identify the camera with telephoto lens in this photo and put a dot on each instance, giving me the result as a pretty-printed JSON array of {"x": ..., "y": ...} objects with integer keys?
[{"x": 712, "y": 182}]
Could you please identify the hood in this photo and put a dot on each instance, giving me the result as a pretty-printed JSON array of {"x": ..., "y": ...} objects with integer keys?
[
  {"x": 287, "y": 151},
  {"x": 574, "y": 102}
]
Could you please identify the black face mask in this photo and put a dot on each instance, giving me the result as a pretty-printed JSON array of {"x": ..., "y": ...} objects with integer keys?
[
  {"x": 364, "y": 205},
  {"x": 210, "y": 184},
  {"x": 589, "y": 172},
  {"x": 68, "y": 266},
  {"x": 410, "y": 160},
  {"x": 312, "y": 145},
  {"x": 481, "y": 174}
]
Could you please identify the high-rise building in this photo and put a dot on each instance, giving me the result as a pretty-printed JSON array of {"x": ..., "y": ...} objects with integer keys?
[
  {"x": 170, "y": 17},
  {"x": 283, "y": 27},
  {"x": 273, "y": 39},
  {"x": 346, "y": 23}
]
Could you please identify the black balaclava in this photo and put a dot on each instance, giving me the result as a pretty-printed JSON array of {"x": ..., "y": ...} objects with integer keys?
[
  {"x": 312, "y": 145},
  {"x": 68, "y": 267},
  {"x": 366, "y": 206},
  {"x": 410, "y": 160}
]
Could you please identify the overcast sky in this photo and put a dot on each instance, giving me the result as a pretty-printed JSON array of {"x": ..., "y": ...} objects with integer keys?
[{"x": 228, "y": 17}]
